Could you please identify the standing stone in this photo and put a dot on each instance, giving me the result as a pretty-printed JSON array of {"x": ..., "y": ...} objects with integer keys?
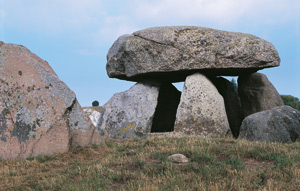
[
  {"x": 39, "y": 114},
  {"x": 232, "y": 103},
  {"x": 201, "y": 110},
  {"x": 165, "y": 112},
  {"x": 129, "y": 114},
  {"x": 173, "y": 53},
  {"x": 279, "y": 124},
  {"x": 257, "y": 93}
]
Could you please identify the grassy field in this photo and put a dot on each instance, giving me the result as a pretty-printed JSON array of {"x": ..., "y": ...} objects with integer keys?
[{"x": 215, "y": 164}]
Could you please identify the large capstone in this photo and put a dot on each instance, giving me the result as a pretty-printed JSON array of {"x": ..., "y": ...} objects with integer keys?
[
  {"x": 279, "y": 124},
  {"x": 257, "y": 93},
  {"x": 201, "y": 110},
  {"x": 129, "y": 114},
  {"x": 39, "y": 114},
  {"x": 173, "y": 53}
]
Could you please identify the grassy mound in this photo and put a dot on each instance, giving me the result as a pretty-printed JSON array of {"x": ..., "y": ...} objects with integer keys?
[{"x": 215, "y": 164}]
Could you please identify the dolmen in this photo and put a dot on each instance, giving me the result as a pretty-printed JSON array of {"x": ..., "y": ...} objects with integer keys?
[
  {"x": 39, "y": 114},
  {"x": 209, "y": 105}
]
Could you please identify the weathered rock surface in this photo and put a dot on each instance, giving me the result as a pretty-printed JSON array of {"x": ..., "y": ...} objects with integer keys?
[
  {"x": 93, "y": 113},
  {"x": 257, "y": 93},
  {"x": 39, "y": 114},
  {"x": 232, "y": 102},
  {"x": 178, "y": 158},
  {"x": 129, "y": 114},
  {"x": 201, "y": 110},
  {"x": 279, "y": 124},
  {"x": 82, "y": 130},
  {"x": 165, "y": 112},
  {"x": 172, "y": 53}
]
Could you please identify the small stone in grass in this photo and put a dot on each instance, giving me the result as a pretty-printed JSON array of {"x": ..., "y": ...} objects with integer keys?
[{"x": 178, "y": 158}]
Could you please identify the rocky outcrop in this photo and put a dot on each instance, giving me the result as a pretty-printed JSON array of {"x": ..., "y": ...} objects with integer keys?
[
  {"x": 257, "y": 93},
  {"x": 173, "y": 53},
  {"x": 279, "y": 124},
  {"x": 232, "y": 102},
  {"x": 201, "y": 110},
  {"x": 39, "y": 114},
  {"x": 184, "y": 53},
  {"x": 129, "y": 114},
  {"x": 165, "y": 112}
]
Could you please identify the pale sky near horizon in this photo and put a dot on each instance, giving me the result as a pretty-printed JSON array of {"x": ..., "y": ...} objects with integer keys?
[{"x": 74, "y": 36}]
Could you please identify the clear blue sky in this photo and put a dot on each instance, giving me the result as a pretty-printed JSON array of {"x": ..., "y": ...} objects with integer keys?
[{"x": 74, "y": 35}]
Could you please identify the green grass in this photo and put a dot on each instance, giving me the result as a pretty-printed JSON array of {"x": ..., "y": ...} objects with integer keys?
[{"x": 215, "y": 164}]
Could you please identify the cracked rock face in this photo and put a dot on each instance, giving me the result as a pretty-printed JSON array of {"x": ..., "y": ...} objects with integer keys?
[
  {"x": 173, "y": 53},
  {"x": 279, "y": 124},
  {"x": 39, "y": 114}
]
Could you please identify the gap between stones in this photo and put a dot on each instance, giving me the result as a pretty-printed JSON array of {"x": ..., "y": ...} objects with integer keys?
[
  {"x": 168, "y": 102},
  {"x": 165, "y": 112}
]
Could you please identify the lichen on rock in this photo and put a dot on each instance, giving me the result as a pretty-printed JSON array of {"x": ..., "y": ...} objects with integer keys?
[
  {"x": 39, "y": 114},
  {"x": 173, "y": 53}
]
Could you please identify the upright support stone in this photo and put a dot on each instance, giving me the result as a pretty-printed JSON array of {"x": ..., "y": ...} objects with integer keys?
[
  {"x": 201, "y": 110},
  {"x": 257, "y": 93},
  {"x": 165, "y": 112},
  {"x": 129, "y": 114},
  {"x": 232, "y": 103}
]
